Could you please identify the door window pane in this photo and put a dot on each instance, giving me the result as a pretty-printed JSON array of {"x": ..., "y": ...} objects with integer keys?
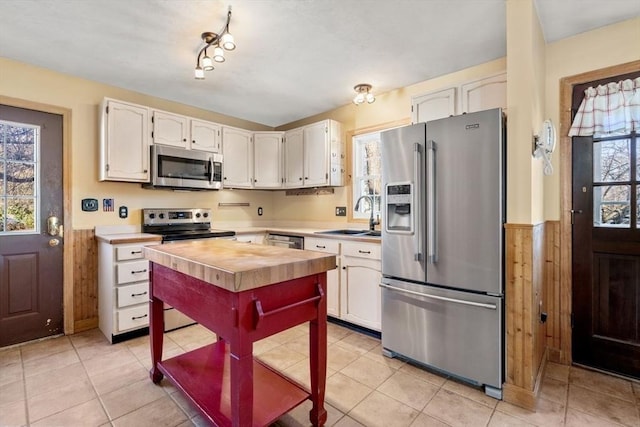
[
  {"x": 612, "y": 160},
  {"x": 612, "y": 206},
  {"x": 18, "y": 177}
]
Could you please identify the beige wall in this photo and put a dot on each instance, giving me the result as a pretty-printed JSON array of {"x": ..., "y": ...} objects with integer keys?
[
  {"x": 525, "y": 102},
  {"x": 534, "y": 73},
  {"x": 600, "y": 48},
  {"x": 18, "y": 80}
]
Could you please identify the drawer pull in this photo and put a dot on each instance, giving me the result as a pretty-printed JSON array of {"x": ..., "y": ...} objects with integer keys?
[
  {"x": 136, "y": 252},
  {"x": 321, "y": 247},
  {"x": 139, "y": 295},
  {"x": 364, "y": 252},
  {"x": 138, "y": 271},
  {"x": 262, "y": 314},
  {"x": 139, "y": 317}
]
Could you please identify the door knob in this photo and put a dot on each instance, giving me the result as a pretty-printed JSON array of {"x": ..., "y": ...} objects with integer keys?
[{"x": 54, "y": 242}]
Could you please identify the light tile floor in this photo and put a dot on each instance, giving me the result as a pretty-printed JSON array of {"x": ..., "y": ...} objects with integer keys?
[{"x": 82, "y": 380}]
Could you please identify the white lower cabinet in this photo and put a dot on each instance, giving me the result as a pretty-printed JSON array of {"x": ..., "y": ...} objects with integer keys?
[
  {"x": 360, "y": 278},
  {"x": 353, "y": 291},
  {"x": 123, "y": 288}
]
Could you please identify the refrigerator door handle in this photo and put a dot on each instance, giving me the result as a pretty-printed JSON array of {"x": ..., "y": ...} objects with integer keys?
[
  {"x": 417, "y": 216},
  {"x": 436, "y": 297},
  {"x": 432, "y": 238}
]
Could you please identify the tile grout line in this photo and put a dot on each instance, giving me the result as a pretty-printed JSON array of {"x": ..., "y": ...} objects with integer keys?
[{"x": 24, "y": 389}]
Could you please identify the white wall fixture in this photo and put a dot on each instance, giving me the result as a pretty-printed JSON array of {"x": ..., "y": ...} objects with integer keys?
[
  {"x": 544, "y": 144},
  {"x": 220, "y": 42},
  {"x": 363, "y": 93}
]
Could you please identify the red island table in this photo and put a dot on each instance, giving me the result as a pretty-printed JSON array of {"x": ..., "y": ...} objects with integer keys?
[{"x": 243, "y": 292}]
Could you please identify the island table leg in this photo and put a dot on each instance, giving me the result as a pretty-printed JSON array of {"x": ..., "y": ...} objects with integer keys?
[
  {"x": 318, "y": 357},
  {"x": 156, "y": 334}
]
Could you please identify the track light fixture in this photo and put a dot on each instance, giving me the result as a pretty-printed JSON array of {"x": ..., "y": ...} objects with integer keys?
[
  {"x": 363, "y": 93},
  {"x": 219, "y": 42}
]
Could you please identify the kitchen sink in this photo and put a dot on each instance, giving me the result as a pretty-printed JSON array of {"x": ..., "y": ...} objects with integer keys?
[{"x": 351, "y": 232}]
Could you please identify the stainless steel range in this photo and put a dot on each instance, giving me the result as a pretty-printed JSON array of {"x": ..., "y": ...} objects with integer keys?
[{"x": 178, "y": 225}]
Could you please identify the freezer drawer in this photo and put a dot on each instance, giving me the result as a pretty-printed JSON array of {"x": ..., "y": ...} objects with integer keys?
[{"x": 457, "y": 332}]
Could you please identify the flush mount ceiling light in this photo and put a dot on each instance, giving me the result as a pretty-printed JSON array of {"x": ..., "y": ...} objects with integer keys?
[
  {"x": 218, "y": 42},
  {"x": 363, "y": 93}
]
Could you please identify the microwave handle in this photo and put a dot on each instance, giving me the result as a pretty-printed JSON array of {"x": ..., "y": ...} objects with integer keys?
[{"x": 211, "y": 170}]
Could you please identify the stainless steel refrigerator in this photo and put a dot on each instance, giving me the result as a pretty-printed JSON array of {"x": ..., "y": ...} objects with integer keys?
[{"x": 443, "y": 246}]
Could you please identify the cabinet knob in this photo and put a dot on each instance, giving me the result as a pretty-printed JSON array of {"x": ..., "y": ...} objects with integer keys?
[
  {"x": 184, "y": 139},
  {"x": 300, "y": 178}
]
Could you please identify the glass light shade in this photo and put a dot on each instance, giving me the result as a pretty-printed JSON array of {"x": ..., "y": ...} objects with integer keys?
[
  {"x": 207, "y": 63},
  {"x": 218, "y": 54},
  {"x": 227, "y": 42},
  {"x": 199, "y": 73},
  {"x": 370, "y": 98},
  {"x": 359, "y": 98}
]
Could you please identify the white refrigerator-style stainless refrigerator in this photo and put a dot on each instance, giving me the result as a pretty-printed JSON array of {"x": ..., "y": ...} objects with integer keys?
[{"x": 443, "y": 246}]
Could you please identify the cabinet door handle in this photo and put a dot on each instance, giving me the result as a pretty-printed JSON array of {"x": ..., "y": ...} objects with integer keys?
[
  {"x": 138, "y": 271},
  {"x": 139, "y": 295},
  {"x": 321, "y": 247},
  {"x": 364, "y": 252},
  {"x": 136, "y": 252},
  {"x": 139, "y": 317}
]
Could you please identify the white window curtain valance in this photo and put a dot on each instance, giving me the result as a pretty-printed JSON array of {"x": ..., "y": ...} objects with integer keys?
[{"x": 611, "y": 109}]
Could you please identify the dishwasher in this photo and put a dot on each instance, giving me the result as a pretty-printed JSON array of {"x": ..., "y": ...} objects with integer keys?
[{"x": 285, "y": 241}]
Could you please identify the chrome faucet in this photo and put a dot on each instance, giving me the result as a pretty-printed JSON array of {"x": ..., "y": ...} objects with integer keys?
[{"x": 372, "y": 222}]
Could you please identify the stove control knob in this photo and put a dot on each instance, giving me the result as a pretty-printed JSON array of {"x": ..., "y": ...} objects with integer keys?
[
  {"x": 205, "y": 214},
  {"x": 161, "y": 216},
  {"x": 198, "y": 215},
  {"x": 152, "y": 215}
]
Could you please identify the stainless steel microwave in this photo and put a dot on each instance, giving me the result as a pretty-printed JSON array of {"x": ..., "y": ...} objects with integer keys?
[{"x": 178, "y": 168}]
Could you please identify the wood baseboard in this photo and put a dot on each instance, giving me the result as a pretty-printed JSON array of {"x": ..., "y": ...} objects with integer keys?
[
  {"x": 85, "y": 324},
  {"x": 527, "y": 399}
]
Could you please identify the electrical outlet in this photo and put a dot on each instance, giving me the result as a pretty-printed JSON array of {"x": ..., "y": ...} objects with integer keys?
[{"x": 341, "y": 211}]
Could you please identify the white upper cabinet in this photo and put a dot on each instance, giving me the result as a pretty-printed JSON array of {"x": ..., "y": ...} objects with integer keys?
[
  {"x": 484, "y": 94},
  {"x": 293, "y": 158},
  {"x": 477, "y": 95},
  {"x": 237, "y": 150},
  {"x": 205, "y": 136},
  {"x": 267, "y": 155},
  {"x": 169, "y": 129},
  {"x": 312, "y": 152},
  {"x": 316, "y": 154},
  {"x": 433, "y": 105},
  {"x": 124, "y": 142}
]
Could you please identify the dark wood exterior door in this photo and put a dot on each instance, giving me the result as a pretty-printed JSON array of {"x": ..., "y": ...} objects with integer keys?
[
  {"x": 31, "y": 253},
  {"x": 606, "y": 253}
]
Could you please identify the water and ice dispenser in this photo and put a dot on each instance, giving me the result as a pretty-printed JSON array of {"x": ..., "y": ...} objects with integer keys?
[{"x": 399, "y": 201}]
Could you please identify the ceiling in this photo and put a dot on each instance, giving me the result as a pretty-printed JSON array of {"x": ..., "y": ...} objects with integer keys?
[{"x": 294, "y": 58}]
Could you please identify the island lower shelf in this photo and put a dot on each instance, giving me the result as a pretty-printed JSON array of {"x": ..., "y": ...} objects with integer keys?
[{"x": 273, "y": 394}]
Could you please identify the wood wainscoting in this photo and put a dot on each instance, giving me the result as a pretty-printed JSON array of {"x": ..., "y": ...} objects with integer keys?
[
  {"x": 85, "y": 280},
  {"x": 552, "y": 295},
  {"x": 525, "y": 274}
]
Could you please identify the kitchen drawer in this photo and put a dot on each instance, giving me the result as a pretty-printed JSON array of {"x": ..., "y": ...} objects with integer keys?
[
  {"x": 133, "y": 294},
  {"x": 322, "y": 245},
  {"x": 134, "y": 317},
  {"x": 129, "y": 272},
  {"x": 361, "y": 250},
  {"x": 124, "y": 253}
]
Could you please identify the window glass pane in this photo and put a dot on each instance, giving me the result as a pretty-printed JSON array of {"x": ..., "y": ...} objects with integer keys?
[
  {"x": 20, "y": 143},
  {"x": 20, "y": 214},
  {"x": 612, "y": 161},
  {"x": 611, "y": 206},
  {"x": 367, "y": 165},
  {"x": 20, "y": 179}
]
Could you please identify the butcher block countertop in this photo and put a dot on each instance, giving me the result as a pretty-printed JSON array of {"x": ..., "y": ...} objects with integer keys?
[
  {"x": 237, "y": 266},
  {"x": 119, "y": 238}
]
